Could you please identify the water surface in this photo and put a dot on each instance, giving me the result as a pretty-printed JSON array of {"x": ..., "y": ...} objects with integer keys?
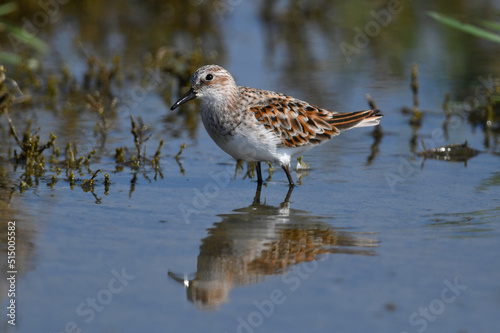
[{"x": 374, "y": 238}]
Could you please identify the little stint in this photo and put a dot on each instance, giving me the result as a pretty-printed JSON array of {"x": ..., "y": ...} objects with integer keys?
[{"x": 258, "y": 125}]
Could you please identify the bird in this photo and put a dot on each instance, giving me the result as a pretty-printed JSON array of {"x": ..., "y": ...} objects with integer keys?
[{"x": 264, "y": 126}]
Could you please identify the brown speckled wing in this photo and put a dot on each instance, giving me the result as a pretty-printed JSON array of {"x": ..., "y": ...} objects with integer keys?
[{"x": 298, "y": 123}]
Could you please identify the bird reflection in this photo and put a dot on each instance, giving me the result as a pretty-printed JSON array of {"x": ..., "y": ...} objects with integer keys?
[{"x": 260, "y": 240}]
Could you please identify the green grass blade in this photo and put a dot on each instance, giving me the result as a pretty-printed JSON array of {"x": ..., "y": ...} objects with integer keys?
[
  {"x": 21, "y": 36},
  {"x": 7, "y": 8},
  {"x": 465, "y": 27},
  {"x": 491, "y": 25},
  {"x": 10, "y": 58}
]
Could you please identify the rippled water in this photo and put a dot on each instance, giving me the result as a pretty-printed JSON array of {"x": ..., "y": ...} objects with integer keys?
[{"x": 375, "y": 238}]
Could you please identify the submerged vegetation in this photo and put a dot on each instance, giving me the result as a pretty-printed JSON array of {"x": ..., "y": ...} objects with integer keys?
[
  {"x": 42, "y": 159},
  {"x": 84, "y": 110},
  {"x": 39, "y": 156},
  {"x": 481, "y": 111},
  {"x": 62, "y": 122}
]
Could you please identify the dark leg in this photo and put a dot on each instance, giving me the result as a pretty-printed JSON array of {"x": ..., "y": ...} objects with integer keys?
[
  {"x": 256, "y": 199},
  {"x": 288, "y": 175},
  {"x": 288, "y": 194},
  {"x": 259, "y": 172}
]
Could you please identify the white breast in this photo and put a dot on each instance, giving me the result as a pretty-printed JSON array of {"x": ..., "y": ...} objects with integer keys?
[{"x": 243, "y": 139}]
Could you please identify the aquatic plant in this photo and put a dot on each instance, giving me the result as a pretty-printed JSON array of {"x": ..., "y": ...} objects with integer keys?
[{"x": 470, "y": 28}]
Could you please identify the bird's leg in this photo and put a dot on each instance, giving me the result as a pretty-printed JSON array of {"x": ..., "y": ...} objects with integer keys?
[
  {"x": 288, "y": 195},
  {"x": 259, "y": 172},
  {"x": 288, "y": 175},
  {"x": 256, "y": 199}
]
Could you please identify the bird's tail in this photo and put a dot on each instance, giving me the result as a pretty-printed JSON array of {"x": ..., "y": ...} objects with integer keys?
[{"x": 365, "y": 118}]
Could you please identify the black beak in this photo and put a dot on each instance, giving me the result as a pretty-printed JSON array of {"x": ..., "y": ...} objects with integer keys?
[{"x": 186, "y": 98}]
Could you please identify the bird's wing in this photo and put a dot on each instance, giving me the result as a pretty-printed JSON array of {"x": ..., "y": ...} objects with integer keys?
[{"x": 299, "y": 123}]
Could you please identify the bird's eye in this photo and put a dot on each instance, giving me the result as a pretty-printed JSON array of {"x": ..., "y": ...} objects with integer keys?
[{"x": 209, "y": 77}]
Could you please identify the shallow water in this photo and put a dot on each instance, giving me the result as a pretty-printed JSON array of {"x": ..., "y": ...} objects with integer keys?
[{"x": 374, "y": 238}]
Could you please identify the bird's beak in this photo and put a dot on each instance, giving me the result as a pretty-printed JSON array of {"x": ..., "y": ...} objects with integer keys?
[{"x": 191, "y": 94}]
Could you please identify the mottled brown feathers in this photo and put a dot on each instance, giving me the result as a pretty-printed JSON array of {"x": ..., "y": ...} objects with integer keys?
[{"x": 300, "y": 123}]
